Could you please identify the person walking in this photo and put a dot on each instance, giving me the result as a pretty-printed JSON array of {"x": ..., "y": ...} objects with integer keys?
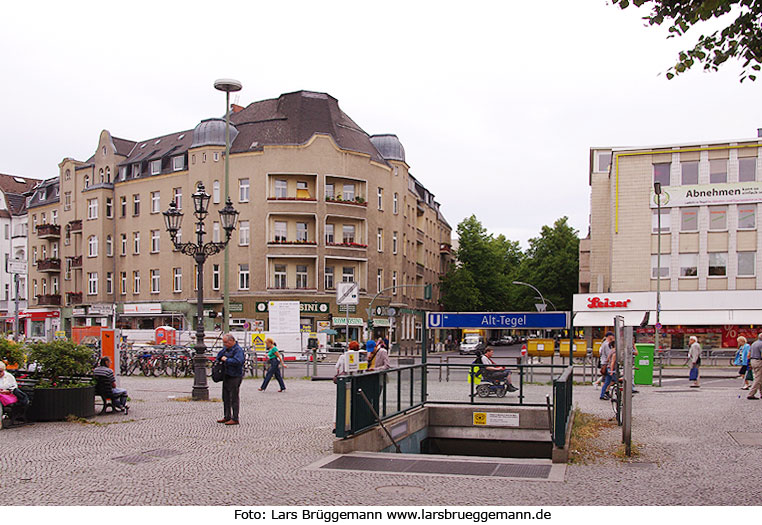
[
  {"x": 233, "y": 357},
  {"x": 694, "y": 357},
  {"x": 742, "y": 359},
  {"x": 755, "y": 361},
  {"x": 276, "y": 359},
  {"x": 607, "y": 372}
]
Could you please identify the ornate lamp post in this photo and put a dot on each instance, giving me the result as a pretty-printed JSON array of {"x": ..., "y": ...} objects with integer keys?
[{"x": 200, "y": 251}]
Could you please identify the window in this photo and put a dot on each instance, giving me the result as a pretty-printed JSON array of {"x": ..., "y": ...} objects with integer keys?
[
  {"x": 109, "y": 246},
  {"x": 54, "y": 283},
  {"x": 123, "y": 283},
  {"x": 380, "y": 280},
  {"x": 136, "y": 243},
  {"x": 280, "y": 276},
  {"x": 349, "y": 192},
  {"x": 34, "y": 288},
  {"x": 178, "y": 197},
  {"x": 67, "y": 201},
  {"x": 329, "y": 191},
  {"x": 243, "y": 190},
  {"x": 301, "y": 231},
  {"x": 301, "y": 276},
  {"x": 122, "y": 172},
  {"x": 394, "y": 243},
  {"x": 688, "y": 264},
  {"x": 329, "y": 277},
  {"x": 329, "y": 239},
  {"x": 177, "y": 280},
  {"x": 155, "y": 201},
  {"x": 154, "y": 241},
  {"x": 380, "y": 198},
  {"x": 394, "y": 282},
  {"x": 664, "y": 266},
  {"x": 54, "y": 249},
  {"x": 67, "y": 175},
  {"x": 92, "y": 209},
  {"x": 281, "y": 189},
  {"x": 348, "y": 231},
  {"x": 348, "y": 274},
  {"x": 136, "y": 282},
  {"x": 747, "y": 169},
  {"x": 718, "y": 171},
  {"x": 746, "y": 263},
  {"x": 92, "y": 283},
  {"x": 747, "y": 216},
  {"x": 135, "y": 205},
  {"x": 44, "y": 287},
  {"x": 689, "y": 172},
  {"x": 661, "y": 173},
  {"x": 243, "y": 276},
  {"x": 155, "y": 167},
  {"x": 216, "y": 192},
  {"x": 604, "y": 161},
  {"x": 718, "y": 218},
  {"x": 395, "y": 203},
  {"x": 34, "y": 255},
  {"x": 109, "y": 283},
  {"x": 109, "y": 207},
  {"x": 216, "y": 156},
  {"x": 689, "y": 219},
  {"x": 123, "y": 206},
  {"x": 215, "y": 231},
  {"x": 92, "y": 246},
  {"x": 280, "y": 231},
  {"x": 87, "y": 181},
  {"x": 154, "y": 281},
  {"x": 404, "y": 244},
  {"x": 108, "y": 175},
  {"x": 380, "y": 240},
  {"x": 178, "y": 163},
  {"x": 718, "y": 264},
  {"x": 124, "y": 244},
  {"x": 243, "y": 233},
  {"x": 215, "y": 277}
]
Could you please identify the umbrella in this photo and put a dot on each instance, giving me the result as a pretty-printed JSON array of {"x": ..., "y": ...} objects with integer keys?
[{"x": 329, "y": 331}]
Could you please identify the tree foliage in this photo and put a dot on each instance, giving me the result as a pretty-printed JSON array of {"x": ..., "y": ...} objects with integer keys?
[
  {"x": 742, "y": 38},
  {"x": 11, "y": 352},
  {"x": 58, "y": 362}
]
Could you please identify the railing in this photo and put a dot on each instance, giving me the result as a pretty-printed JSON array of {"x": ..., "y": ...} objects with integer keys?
[
  {"x": 75, "y": 226},
  {"x": 49, "y": 300},
  {"x": 45, "y": 265},
  {"x": 48, "y": 230},
  {"x": 562, "y": 405},
  {"x": 74, "y": 297},
  {"x": 76, "y": 262}
]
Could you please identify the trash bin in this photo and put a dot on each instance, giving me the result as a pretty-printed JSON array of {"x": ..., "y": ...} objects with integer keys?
[{"x": 644, "y": 364}]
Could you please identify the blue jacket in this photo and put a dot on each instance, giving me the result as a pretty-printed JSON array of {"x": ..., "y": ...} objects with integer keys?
[
  {"x": 234, "y": 361},
  {"x": 742, "y": 356}
]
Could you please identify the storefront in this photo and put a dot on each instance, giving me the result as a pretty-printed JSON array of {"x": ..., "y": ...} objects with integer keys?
[
  {"x": 40, "y": 325},
  {"x": 716, "y": 318}
]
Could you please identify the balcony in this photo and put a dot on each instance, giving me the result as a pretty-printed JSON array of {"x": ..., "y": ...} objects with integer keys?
[
  {"x": 346, "y": 245},
  {"x": 292, "y": 243},
  {"x": 75, "y": 226},
  {"x": 49, "y": 300},
  {"x": 76, "y": 262},
  {"x": 49, "y": 265},
  {"x": 74, "y": 297},
  {"x": 445, "y": 248},
  {"x": 48, "y": 231},
  {"x": 358, "y": 201}
]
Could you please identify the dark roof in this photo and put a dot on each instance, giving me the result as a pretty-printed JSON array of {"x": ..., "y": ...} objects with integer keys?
[
  {"x": 16, "y": 202},
  {"x": 14, "y": 184},
  {"x": 123, "y": 146},
  {"x": 51, "y": 196},
  {"x": 150, "y": 150},
  {"x": 293, "y": 118}
]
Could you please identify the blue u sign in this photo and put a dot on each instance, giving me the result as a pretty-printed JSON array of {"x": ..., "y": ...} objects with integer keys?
[{"x": 498, "y": 320}]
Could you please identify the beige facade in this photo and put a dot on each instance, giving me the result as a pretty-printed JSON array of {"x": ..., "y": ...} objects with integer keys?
[{"x": 311, "y": 215}]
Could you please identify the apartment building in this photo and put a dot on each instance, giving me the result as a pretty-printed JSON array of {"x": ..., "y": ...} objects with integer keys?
[
  {"x": 697, "y": 243},
  {"x": 320, "y": 202}
]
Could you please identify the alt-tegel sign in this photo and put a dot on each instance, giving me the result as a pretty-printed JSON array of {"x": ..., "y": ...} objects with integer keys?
[{"x": 497, "y": 320}]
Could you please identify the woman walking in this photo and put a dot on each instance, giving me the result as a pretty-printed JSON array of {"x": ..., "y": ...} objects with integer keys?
[
  {"x": 742, "y": 359},
  {"x": 276, "y": 359}
]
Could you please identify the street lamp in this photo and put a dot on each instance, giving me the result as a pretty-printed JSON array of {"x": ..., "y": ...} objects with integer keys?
[
  {"x": 200, "y": 251},
  {"x": 544, "y": 304},
  {"x": 657, "y": 328},
  {"x": 227, "y": 85}
]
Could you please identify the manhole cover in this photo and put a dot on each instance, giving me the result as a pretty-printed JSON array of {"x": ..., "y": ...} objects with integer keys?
[
  {"x": 399, "y": 489},
  {"x": 752, "y": 439}
]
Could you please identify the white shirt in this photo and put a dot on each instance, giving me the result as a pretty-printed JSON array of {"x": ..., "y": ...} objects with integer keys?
[
  {"x": 8, "y": 382},
  {"x": 342, "y": 365}
]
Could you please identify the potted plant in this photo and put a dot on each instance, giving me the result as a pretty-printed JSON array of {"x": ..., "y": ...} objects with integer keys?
[
  {"x": 11, "y": 354},
  {"x": 61, "y": 390}
]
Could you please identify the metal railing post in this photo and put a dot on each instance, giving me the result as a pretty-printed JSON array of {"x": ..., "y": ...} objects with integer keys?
[{"x": 341, "y": 402}]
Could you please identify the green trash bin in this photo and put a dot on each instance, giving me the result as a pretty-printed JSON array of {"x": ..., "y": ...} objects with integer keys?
[{"x": 644, "y": 364}]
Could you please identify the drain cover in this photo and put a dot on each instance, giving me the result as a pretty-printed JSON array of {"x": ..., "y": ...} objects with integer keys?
[{"x": 399, "y": 489}]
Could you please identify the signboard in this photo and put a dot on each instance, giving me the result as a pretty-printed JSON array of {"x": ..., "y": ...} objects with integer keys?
[
  {"x": 142, "y": 308},
  {"x": 496, "y": 419},
  {"x": 17, "y": 266},
  {"x": 497, "y": 320},
  {"x": 353, "y": 361},
  {"x": 385, "y": 311},
  {"x": 59, "y": 334},
  {"x": 78, "y": 311},
  {"x": 259, "y": 325},
  {"x": 284, "y": 316},
  {"x": 351, "y": 307},
  {"x": 258, "y": 342},
  {"x": 100, "y": 309},
  {"x": 347, "y": 293},
  {"x": 305, "y": 308},
  {"x": 323, "y": 325},
  {"x": 236, "y": 307},
  {"x": 708, "y": 194},
  {"x": 381, "y": 322},
  {"x": 353, "y": 321}
]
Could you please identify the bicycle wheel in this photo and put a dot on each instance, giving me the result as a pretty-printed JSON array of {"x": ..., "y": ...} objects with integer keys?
[{"x": 614, "y": 393}]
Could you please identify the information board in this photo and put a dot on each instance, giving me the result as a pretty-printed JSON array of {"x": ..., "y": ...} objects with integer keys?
[{"x": 284, "y": 316}]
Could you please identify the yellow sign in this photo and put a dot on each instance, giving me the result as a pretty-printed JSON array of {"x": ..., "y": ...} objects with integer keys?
[
  {"x": 363, "y": 365},
  {"x": 258, "y": 342},
  {"x": 351, "y": 358},
  {"x": 480, "y": 418}
]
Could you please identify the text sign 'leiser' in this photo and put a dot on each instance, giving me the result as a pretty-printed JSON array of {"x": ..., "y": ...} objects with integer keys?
[{"x": 498, "y": 320}]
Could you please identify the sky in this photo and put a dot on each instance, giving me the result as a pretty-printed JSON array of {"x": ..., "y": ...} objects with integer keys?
[{"x": 496, "y": 103}]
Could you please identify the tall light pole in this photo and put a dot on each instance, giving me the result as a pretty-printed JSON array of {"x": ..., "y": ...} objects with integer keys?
[
  {"x": 657, "y": 327},
  {"x": 200, "y": 251},
  {"x": 544, "y": 304},
  {"x": 227, "y": 85}
]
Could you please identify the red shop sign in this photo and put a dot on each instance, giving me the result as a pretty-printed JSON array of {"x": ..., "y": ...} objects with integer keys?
[{"x": 596, "y": 302}]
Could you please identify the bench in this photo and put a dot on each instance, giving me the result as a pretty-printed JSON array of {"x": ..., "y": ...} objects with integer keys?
[
  {"x": 15, "y": 414},
  {"x": 103, "y": 391}
]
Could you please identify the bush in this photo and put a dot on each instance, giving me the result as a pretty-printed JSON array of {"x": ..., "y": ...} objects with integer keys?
[
  {"x": 58, "y": 362},
  {"x": 11, "y": 352}
]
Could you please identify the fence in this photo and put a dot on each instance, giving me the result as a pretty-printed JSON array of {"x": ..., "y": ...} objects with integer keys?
[{"x": 562, "y": 405}]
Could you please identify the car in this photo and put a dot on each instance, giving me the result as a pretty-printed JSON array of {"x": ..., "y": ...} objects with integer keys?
[
  {"x": 506, "y": 340},
  {"x": 472, "y": 344}
]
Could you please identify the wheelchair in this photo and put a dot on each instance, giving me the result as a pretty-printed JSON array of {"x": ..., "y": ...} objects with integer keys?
[{"x": 490, "y": 385}]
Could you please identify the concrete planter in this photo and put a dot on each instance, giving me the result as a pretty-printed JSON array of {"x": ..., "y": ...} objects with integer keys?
[{"x": 55, "y": 404}]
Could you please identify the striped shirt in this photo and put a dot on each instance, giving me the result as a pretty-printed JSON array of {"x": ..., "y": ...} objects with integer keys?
[{"x": 105, "y": 375}]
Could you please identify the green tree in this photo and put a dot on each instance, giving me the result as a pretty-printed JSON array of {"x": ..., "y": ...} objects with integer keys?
[
  {"x": 551, "y": 265},
  {"x": 741, "y": 38},
  {"x": 459, "y": 292}
]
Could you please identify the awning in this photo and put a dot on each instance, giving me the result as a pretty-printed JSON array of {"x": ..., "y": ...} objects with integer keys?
[
  {"x": 633, "y": 318},
  {"x": 711, "y": 317}
]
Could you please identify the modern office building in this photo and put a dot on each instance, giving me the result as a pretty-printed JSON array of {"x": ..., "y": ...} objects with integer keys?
[
  {"x": 320, "y": 202},
  {"x": 705, "y": 264}
]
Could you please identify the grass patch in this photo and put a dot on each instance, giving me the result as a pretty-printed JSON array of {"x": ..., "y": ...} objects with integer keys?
[
  {"x": 634, "y": 451},
  {"x": 189, "y": 398},
  {"x": 584, "y": 446}
]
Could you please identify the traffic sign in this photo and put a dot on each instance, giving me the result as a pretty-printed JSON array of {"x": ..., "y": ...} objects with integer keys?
[
  {"x": 347, "y": 293},
  {"x": 497, "y": 320}
]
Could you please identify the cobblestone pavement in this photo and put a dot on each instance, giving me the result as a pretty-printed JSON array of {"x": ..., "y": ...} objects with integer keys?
[{"x": 171, "y": 452}]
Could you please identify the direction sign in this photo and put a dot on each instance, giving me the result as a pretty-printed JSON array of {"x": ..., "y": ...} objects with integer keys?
[
  {"x": 347, "y": 293},
  {"x": 497, "y": 320}
]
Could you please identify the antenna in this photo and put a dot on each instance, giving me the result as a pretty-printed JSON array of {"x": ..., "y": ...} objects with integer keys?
[{"x": 236, "y": 99}]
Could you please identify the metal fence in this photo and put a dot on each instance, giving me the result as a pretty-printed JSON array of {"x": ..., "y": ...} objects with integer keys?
[{"x": 562, "y": 405}]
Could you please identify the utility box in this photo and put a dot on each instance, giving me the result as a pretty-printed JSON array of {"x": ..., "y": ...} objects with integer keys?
[
  {"x": 644, "y": 364},
  {"x": 166, "y": 335},
  {"x": 541, "y": 347},
  {"x": 580, "y": 348}
]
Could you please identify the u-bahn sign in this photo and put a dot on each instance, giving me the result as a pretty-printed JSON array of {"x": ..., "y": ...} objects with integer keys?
[{"x": 498, "y": 320}]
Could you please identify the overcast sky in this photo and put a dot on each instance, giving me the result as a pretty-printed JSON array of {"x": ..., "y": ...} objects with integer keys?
[{"x": 496, "y": 106}]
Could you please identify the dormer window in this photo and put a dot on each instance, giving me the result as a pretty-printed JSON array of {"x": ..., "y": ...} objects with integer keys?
[
  {"x": 155, "y": 167},
  {"x": 122, "y": 172},
  {"x": 136, "y": 170},
  {"x": 178, "y": 163}
]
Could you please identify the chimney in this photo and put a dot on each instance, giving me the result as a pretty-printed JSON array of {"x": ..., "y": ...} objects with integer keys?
[{"x": 236, "y": 108}]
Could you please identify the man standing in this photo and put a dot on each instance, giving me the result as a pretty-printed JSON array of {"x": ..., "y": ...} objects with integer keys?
[
  {"x": 233, "y": 357},
  {"x": 755, "y": 361},
  {"x": 607, "y": 369},
  {"x": 694, "y": 356}
]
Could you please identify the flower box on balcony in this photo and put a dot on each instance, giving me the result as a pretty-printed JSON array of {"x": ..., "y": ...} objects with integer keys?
[
  {"x": 49, "y": 300},
  {"x": 48, "y": 230},
  {"x": 294, "y": 243},
  {"x": 359, "y": 201},
  {"x": 74, "y": 297},
  {"x": 76, "y": 262},
  {"x": 75, "y": 226},
  {"x": 346, "y": 245},
  {"x": 303, "y": 199},
  {"x": 46, "y": 265}
]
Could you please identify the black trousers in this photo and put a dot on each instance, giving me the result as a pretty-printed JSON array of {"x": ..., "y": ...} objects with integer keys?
[{"x": 230, "y": 398}]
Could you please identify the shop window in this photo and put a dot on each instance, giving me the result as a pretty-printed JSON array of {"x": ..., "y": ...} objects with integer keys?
[{"x": 689, "y": 219}]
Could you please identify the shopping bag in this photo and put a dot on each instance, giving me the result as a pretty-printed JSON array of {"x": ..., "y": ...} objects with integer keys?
[{"x": 693, "y": 375}]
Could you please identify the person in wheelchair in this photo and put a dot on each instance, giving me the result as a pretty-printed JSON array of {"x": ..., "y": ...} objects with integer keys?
[{"x": 493, "y": 373}]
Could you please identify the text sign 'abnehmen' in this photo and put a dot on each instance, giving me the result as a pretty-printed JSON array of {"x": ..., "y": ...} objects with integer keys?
[{"x": 497, "y": 320}]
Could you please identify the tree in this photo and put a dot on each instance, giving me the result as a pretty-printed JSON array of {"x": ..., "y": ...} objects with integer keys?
[
  {"x": 459, "y": 292},
  {"x": 742, "y": 38},
  {"x": 552, "y": 266}
]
